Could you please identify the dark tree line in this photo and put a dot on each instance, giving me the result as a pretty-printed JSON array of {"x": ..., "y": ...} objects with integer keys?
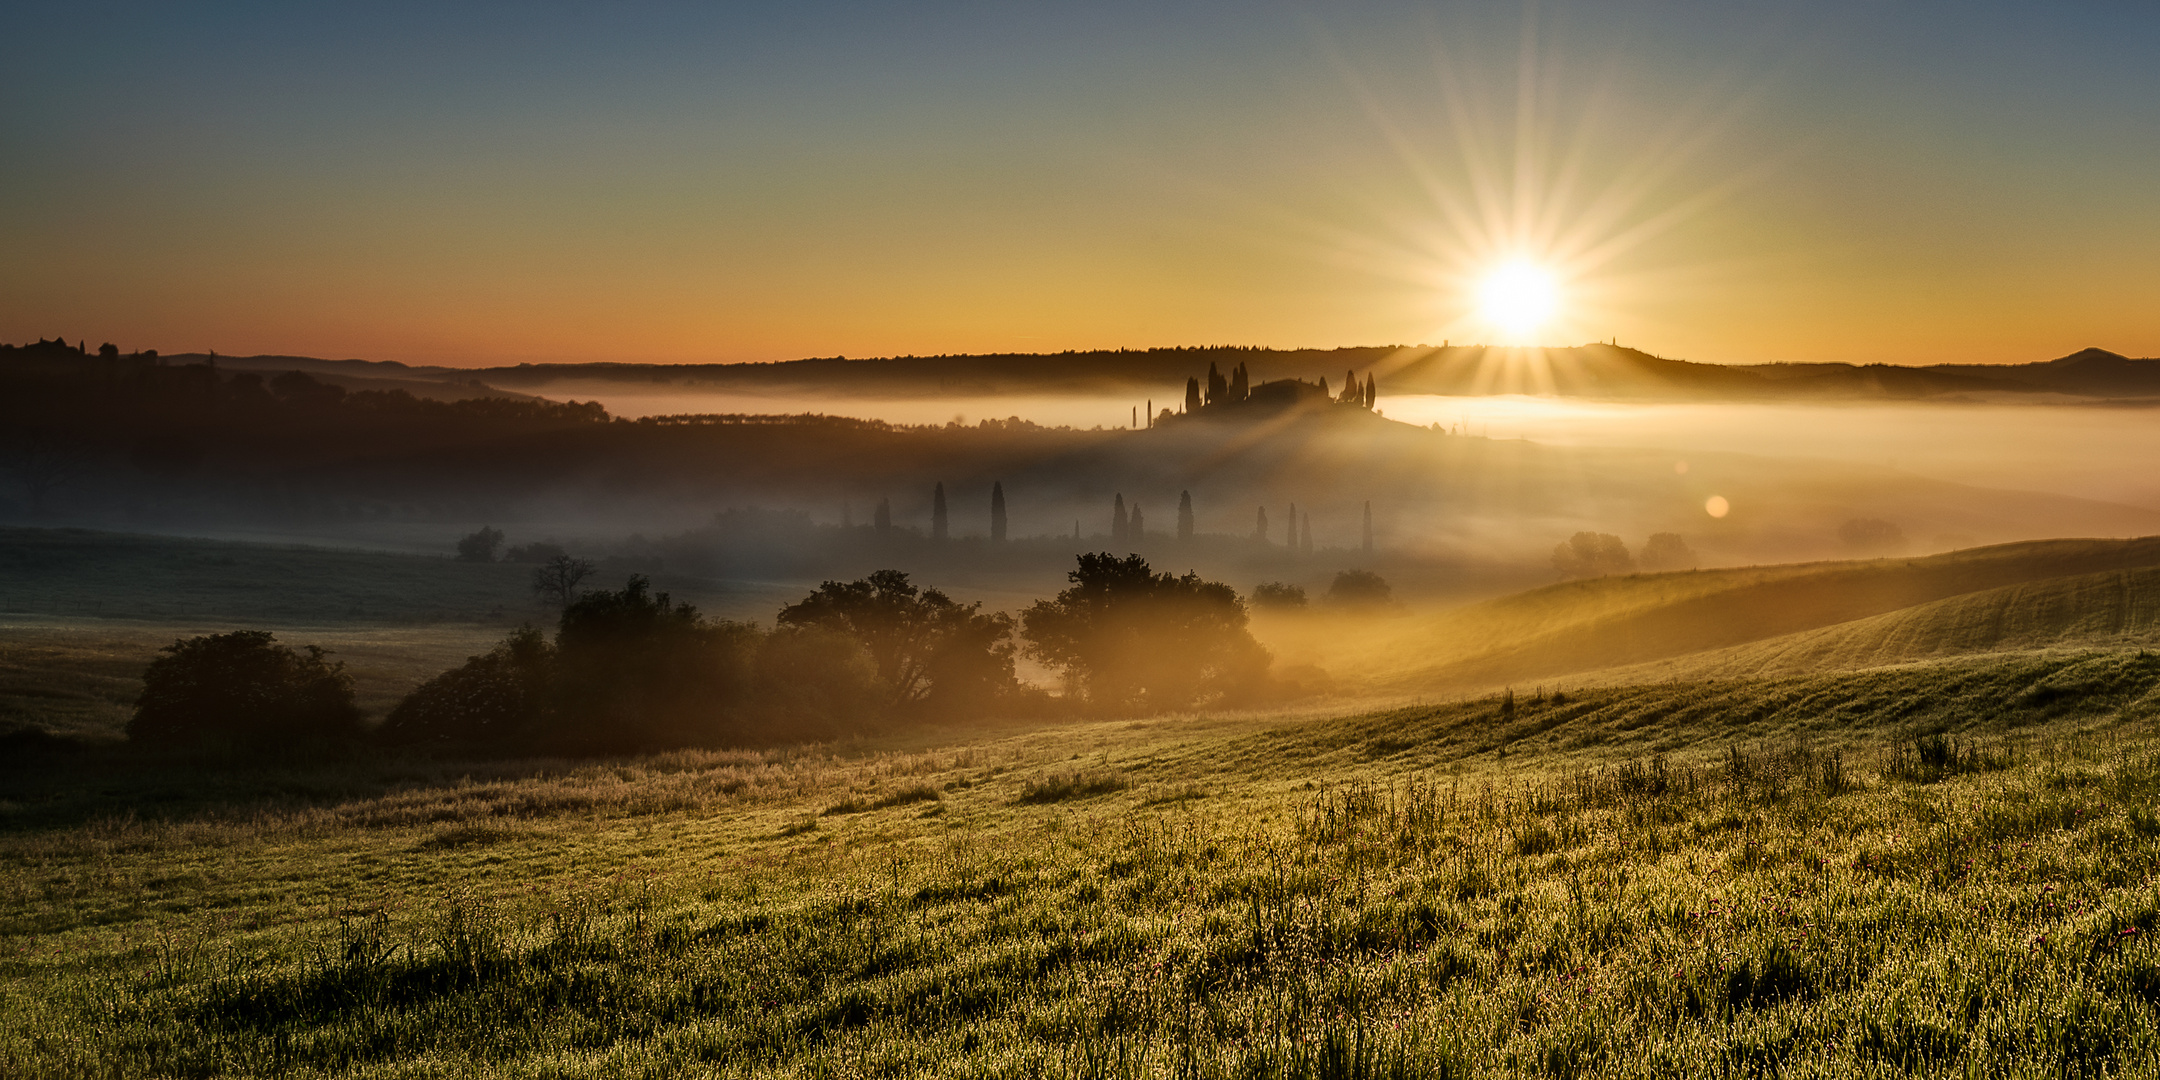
[{"x": 631, "y": 670}]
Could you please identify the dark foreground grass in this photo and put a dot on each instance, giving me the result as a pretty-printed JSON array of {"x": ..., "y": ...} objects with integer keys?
[{"x": 1678, "y": 880}]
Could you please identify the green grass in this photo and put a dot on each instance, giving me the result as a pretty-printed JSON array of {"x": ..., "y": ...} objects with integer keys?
[
  {"x": 1779, "y": 619},
  {"x": 1941, "y": 869},
  {"x": 2111, "y": 609},
  {"x": 82, "y": 678},
  {"x": 53, "y": 575}
]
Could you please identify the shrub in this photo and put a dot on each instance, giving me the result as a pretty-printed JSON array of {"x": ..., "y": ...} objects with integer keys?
[
  {"x": 1589, "y": 554},
  {"x": 1278, "y": 596},
  {"x": 636, "y": 672},
  {"x": 495, "y": 700},
  {"x": 245, "y": 690},
  {"x": 1359, "y": 589},
  {"x": 1667, "y": 551},
  {"x": 480, "y": 546}
]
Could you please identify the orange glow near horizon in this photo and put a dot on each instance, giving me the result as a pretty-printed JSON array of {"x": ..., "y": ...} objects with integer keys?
[{"x": 747, "y": 186}]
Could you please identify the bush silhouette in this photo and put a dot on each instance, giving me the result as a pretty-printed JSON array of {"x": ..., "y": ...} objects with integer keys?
[
  {"x": 1359, "y": 589},
  {"x": 1667, "y": 551},
  {"x": 496, "y": 700},
  {"x": 636, "y": 672},
  {"x": 929, "y": 651},
  {"x": 631, "y": 671},
  {"x": 1589, "y": 554},
  {"x": 245, "y": 691},
  {"x": 480, "y": 546},
  {"x": 1279, "y": 596}
]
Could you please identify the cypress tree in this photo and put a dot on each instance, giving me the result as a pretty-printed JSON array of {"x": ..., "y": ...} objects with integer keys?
[
  {"x": 1368, "y": 526},
  {"x": 1184, "y": 514},
  {"x": 1217, "y": 389},
  {"x": 1305, "y": 545},
  {"x": 1352, "y": 391},
  {"x": 1372, "y": 390},
  {"x": 997, "y": 512},
  {"x": 881, "y": 519},
  {"x": 1240, "y": 384},
  {"x": 1260, "y": 527},
  {"x": 937, "y": 513},
  {"x": 1192, "y": 395},
  {"x": 1117, "y": 521},
  {"x": 1136, "y": 529}
]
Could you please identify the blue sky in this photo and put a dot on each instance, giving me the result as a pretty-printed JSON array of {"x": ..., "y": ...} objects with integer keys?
[{"x": 466, "y": 184}]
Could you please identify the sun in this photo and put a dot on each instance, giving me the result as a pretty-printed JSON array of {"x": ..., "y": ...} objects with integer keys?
[{"x": 1516, "y": 298}]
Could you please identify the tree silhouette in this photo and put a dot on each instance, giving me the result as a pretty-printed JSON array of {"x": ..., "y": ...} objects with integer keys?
[
  {"x": 637, "y": 672},
  {"x": 494, "y": 700},
  {"x": 997, "y": 512},
  {"x": 938, "y": 522},
  {"x": 1278, "y": 596},
  {"x": 1589, "y": 554},
  {"x": 1260, "y": 526},
  {"x": 881, "y": 518},
  {"x": 246, "y": 691},
  {"x": 1117, "y": 520},
  {"x": 1192, "y": 395},
  {"x": 1136, "y": 526},
  {"x": 1667, "y": 551},
  {"x": 1305, "y": 540},
  {"x": 929, "y": 651},
  {"x": 1184, "y": 511},
  {"x": 1359, "y": 589},
  {"x": 1131, "y": 640},
  {"x": 556, "y": 580},
  {"x": 1240, "y": 384},
  {"x": 480, "y": 546},
  {"x": 1217, "y": 389},
  {"x": 1372, "y": 390}
]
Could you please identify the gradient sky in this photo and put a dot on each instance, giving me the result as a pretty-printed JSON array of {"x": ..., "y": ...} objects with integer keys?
[{"x": 1731, "y": 182}]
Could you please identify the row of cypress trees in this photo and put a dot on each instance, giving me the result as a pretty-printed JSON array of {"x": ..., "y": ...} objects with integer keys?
[{"x": 1127, "y": 525}]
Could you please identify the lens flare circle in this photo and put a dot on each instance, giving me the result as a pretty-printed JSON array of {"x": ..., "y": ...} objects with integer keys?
[
  {"x": 1517, "y": 298},
  {"x": 1716, "y": 506}
]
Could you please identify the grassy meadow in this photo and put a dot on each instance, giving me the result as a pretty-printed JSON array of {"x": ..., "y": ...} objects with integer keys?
[
  {"x": 1940, "y": 869},
  {"x": 1886, "y": 818}
]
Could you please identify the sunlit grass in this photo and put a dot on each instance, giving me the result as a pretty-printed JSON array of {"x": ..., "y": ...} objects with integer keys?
[{"x": 1927, "y": 870}]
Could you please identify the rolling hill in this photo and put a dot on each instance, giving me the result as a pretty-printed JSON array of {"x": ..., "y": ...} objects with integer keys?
[
  {"x": 1598, "y": 371},
  {"x": 1761, "y": 621}
]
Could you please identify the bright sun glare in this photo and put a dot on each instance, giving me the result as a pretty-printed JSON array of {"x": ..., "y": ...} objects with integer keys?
[{"x": 1517, "y": 298}]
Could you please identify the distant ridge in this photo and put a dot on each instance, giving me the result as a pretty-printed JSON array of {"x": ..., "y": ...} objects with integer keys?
[{"x": 1599, "y": 371}]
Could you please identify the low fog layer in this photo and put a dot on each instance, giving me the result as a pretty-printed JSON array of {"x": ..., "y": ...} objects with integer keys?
[{"x": 2093, "y": 451}]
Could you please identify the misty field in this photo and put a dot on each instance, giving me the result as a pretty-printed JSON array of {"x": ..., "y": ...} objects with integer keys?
[{"x": 1937, "y": 869}]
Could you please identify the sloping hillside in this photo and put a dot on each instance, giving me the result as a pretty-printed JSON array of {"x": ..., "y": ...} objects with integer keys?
[
  {"x": 2111, "y": 609},
  {"x": 2010, "y": 596}
]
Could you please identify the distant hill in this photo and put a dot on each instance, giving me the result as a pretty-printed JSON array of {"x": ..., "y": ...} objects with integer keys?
[
  {"x": 1589, "y": 371},
  {"x": 2094, "y": 372}
]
